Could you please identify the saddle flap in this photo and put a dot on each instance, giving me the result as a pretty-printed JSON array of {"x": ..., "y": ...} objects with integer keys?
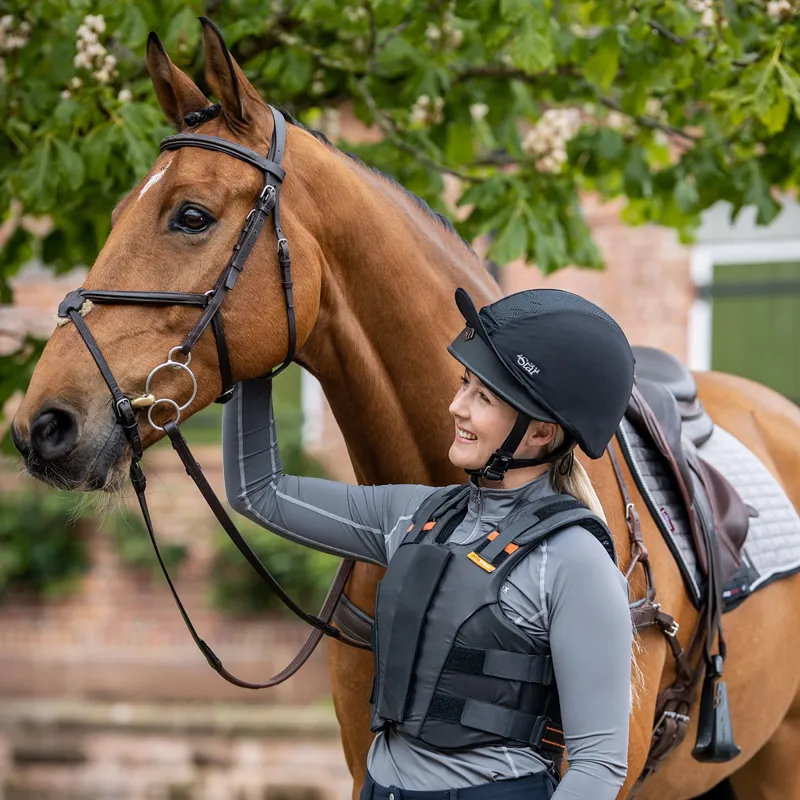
[{"x": 731, "y": 517}]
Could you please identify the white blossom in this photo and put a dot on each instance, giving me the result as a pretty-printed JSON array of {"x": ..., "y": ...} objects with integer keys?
[
  {"x": 82, "y": 60},
  {"x": 478, "y": 111},
  {"x": 433, "y": 34},
  {"x": 547, "y": 141},
  {"x": 97, "y": 22},
  {"x": 317, "y": 87},
  {"x": 616, "y": 120},
  {"x": 125, "y": 96},
  {"x": 92, "y": 54},
  {"x": 705, "y": 8},
  {"x": 419, "y": 111},
  {"x": 451, "y": 35},
  {"x": 354, "y": 13},
  {"x": 779, "y": 8},
  {"x": 13, "y": 37},
  {"x": 66, "y": 94},
  {"x": 75, "y": 83},
  {"x": 96, "y": 51}
]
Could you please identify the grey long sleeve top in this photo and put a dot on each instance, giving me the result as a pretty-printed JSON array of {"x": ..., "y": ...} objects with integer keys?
[{"x": 566, "y": 595}]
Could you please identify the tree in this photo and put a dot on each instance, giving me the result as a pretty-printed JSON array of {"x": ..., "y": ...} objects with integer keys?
[{"x": 673, "y": 105}]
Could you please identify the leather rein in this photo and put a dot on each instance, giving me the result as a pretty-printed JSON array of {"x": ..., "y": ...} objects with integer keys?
[{"x": 79, "y": 302}]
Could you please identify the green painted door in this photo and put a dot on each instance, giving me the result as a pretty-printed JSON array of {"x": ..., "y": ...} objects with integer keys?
[{"x": 756, "y": 323}]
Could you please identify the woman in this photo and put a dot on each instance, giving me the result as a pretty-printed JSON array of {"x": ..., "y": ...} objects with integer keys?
[{"x": 501, "y": 617}]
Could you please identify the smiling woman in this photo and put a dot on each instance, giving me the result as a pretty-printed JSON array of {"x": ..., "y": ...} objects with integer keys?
[{"x": 468, "y": 649}]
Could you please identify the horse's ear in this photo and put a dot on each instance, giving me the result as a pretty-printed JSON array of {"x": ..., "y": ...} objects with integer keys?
[
  {"x": 176, "y": 92},
  {"x": 225, "y": 78}
]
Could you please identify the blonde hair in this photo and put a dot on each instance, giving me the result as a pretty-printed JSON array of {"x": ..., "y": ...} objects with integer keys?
[{"x": 568, "y": 476}]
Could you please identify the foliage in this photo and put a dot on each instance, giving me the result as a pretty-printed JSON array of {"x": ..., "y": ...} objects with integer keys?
[
  {"x": 673, "y": 104},
  {"x": 236, "y": 589},
  {"x": 133, "y": 545},
  {"x": 41, "y": 550}
]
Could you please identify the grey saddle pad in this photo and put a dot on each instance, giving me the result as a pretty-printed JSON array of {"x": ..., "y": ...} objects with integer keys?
[{"x": 772, "y": 549}]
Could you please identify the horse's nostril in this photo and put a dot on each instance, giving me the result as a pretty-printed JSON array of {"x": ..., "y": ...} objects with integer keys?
[
  {"x": 19, "y": 442},
  {"x": 54, "y": 433}
]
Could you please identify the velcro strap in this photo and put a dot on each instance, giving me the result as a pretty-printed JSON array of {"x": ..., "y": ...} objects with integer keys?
[
  {"x": 501, "y": 664},
  {"x": 537, "y": 732}
]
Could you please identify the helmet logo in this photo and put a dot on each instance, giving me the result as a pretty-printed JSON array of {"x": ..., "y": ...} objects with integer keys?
[
  {"x": 527, "y": 365},
  {"x": 469, "y": 332}
]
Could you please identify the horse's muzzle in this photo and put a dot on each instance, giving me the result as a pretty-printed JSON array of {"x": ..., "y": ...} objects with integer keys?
[{"x": 60, "y": 452}]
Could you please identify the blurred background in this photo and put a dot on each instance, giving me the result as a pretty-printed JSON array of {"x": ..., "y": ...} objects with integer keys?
[{"x": 642, "y": 154}]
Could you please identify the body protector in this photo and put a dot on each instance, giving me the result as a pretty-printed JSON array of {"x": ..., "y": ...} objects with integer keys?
[{"x": 450, "y": 669}]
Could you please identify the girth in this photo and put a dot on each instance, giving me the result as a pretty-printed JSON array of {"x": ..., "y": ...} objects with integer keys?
[{"x": 77, "y": 304}]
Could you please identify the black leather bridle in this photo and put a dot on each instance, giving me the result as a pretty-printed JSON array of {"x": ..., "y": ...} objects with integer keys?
[{"x": 78, "y": 303}]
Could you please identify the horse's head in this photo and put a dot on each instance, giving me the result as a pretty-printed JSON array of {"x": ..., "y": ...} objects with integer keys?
[{"x": 174, "y": 232}]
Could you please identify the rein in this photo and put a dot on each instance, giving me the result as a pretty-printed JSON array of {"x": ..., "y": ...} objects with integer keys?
[{"x": 77, "y": 304}]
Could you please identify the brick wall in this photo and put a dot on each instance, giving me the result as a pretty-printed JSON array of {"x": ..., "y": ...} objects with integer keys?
[{"x": 120, "y": 636}]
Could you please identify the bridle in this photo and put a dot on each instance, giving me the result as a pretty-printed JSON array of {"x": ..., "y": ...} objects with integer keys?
[{"x": 78, "y": 303}]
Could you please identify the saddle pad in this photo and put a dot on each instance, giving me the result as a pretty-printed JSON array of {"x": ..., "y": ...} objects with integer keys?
[
  {"x": 773, "y": 538},
  {"x": 772, "y": 548}
]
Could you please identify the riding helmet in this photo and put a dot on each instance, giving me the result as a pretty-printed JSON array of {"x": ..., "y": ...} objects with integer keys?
[{"x": 553, "y": 356}]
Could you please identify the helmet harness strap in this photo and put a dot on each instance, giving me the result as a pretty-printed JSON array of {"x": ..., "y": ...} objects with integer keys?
[{"x": 503, "y": 459}]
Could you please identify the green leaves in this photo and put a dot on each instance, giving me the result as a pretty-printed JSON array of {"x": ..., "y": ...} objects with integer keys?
[
  {"x": 601, "y": 68},
  {"x": 512, "y": 241},
  {"x": 72, "y": 142}
]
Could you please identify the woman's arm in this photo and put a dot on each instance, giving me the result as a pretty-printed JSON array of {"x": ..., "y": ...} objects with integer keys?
[
  {"x": 350, "y": 521},
  {"x": 590, "y": 635}
]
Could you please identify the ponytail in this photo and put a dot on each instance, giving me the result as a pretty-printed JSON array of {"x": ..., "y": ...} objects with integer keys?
[{"x": 568, "y": 476}]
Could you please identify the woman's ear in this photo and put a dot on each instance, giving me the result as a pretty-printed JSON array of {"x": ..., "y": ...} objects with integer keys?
[{"x": 540, "y": 433}]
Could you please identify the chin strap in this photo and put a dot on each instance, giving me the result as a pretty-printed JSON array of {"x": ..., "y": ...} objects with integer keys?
[{"x": 503, "y": 459}]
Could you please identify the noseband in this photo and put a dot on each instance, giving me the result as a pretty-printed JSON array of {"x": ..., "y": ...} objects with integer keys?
[{"x": 76, "y": 305}]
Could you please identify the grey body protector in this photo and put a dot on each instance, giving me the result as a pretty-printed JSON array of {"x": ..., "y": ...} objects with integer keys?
[{"x": 450, "y": 669}]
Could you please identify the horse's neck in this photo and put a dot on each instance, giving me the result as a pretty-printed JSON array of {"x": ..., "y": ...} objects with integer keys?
[{"x": 387, "y": 314}]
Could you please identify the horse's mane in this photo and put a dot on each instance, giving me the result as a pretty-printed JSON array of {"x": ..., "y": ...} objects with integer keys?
[{"x": 196, "y": 117}]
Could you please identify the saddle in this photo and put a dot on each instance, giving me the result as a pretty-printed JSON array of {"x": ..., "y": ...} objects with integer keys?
[{"x": 665, "y": 405}]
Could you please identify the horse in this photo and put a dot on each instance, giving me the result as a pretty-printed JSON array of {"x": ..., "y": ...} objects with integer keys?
[{"x": 373, "y": 299}]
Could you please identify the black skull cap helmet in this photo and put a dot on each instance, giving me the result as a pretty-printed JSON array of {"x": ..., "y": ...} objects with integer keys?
[{"x": 553, "y": 356}]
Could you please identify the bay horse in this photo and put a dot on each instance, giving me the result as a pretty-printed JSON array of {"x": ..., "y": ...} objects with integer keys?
[{"x": 374, "y": 281}]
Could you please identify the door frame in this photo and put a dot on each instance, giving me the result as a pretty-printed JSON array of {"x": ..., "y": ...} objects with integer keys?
[{"x": 704, "y": 258}]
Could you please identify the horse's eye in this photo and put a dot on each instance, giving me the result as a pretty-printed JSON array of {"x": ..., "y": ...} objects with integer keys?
[{"x": 193, "y": 220}]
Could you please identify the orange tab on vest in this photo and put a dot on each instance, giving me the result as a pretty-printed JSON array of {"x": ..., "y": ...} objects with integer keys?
[
  {"x": 428, "y": 525},
  {"x": 410, "y": 528},
  {"x": 481, "y": 562},
  {"x": 493, "y": 535},
  {"x": 511, "y": 548}
]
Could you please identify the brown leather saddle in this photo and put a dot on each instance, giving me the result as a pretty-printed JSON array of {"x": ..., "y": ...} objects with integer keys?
[{"x": 664, "y": 404}]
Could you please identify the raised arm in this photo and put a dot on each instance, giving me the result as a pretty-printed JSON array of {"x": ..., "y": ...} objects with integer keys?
[
  {"x": 590, "y": 639},
  {"x": 350, "y": 521}
]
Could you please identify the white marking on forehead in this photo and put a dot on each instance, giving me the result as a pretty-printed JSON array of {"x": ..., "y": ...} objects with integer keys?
[{"x": 153, "y": 179}]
